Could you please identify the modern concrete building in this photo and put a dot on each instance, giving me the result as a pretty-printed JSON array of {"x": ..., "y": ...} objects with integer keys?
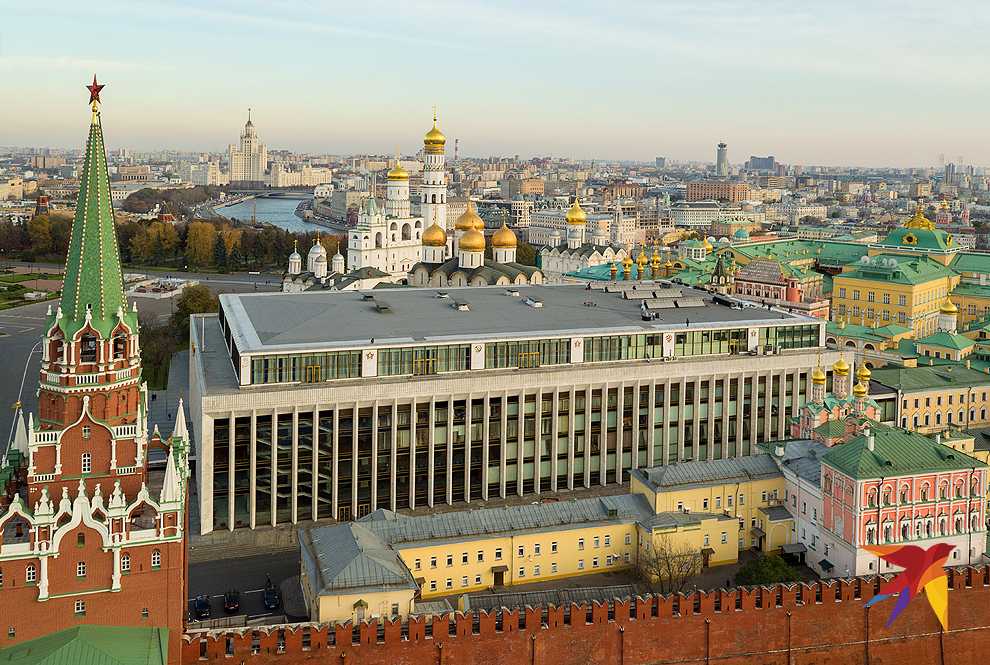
[{"x": 332, "y": 405}]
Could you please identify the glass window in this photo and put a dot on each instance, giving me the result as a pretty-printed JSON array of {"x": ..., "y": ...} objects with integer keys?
[
  {"x": 424, "y": 360},
  {"x": 306, "y": 368},
  {"x": 527, "y": 353}
]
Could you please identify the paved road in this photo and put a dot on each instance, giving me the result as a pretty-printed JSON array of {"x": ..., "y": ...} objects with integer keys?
[{"x": 247, "y": 575}]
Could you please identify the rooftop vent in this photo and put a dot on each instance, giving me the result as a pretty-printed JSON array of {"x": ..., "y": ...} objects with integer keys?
[
  {"x": 382, "y": 307},
  {"x": 367, "y": 296},
  {"x": 533, "y": 302},
  {"x": 442, "y": 294},
  {"x": 462, "y": 305},
  {"x": 512, "y": 292}
]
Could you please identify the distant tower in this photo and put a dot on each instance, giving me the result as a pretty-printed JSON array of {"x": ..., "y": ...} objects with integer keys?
[
  {"x": 295, "y": 260},
  {"x": 433, "y": 188},
  {"x": 397, "y": 191},
  {"x": 722, "y": 160}
]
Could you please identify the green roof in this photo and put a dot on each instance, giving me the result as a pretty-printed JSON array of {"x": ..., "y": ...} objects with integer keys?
[
  {"x": 912, "y": 379},
  {"x": 971, "y": 289},
  {"x": 831, "y": 428},
  {"x": 896, "y": 452},
  {"x": 935, "y": 239},
  {"x": 92, "y": 645},
  {"x": 947, "y": 341},
  {"x": 93, "y": 278},
  {"x": 971, "y": 262},
  {"x": 899, "y": 269}
]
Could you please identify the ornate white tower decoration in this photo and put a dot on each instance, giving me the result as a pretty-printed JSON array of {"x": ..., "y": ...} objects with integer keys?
[
  {"x": 337, "y": 263},
  {"x": 840, "y": 379},
  {"x": 818, "y": 380},
  {"x": 295, "y": 260},
  {"x": 504, "y": 245},
  {"x": 471, "y": 249},
  {"x": 433, "y": 189},
  {"x": 576, "y": 223},
  {"x": 469, "y": 220},
  {"x": 397, "y": 191},
  {"x": 316, "y": 251},
  {"x": 434, "y": 245},
  {"x": 320, "y": 267},
  {"x": 948, "y": 316}
]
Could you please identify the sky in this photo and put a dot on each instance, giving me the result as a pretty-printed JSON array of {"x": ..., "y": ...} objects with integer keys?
[{"x": 868, "y": 83}]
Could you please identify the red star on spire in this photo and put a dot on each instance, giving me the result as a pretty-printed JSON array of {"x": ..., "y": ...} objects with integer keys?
[{"x": 94, "y": 90}]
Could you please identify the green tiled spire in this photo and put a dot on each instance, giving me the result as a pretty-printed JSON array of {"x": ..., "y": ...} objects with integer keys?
[{"x": 93, "y": 278}]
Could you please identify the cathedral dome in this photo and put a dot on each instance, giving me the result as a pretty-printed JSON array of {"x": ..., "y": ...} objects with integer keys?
[
  {"x": 818, "y": 376},
  {"x": 472, "y": 241},
  {"x": 863, "y": 374},
  {"x": 398, "y": 173},
  {"x": 434, "y": 236},
  {"x": 948, "y": 307},
  {"x": 841, "y": 367},
  {"x": 469, "y": 219},
  {"x": 576, "y": 214},
  {"x": 434, "y": 140},
  {"x": 504, "y": 237},
  {"x": 317, "y": 249},
  {"x": 859, "y": 390}
]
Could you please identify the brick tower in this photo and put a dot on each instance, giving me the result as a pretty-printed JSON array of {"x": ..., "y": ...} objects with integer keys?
[{"x": 92, "y": 505}]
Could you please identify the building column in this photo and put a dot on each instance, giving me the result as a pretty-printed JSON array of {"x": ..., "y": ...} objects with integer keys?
[
  {"x": 485, "y": 414},
  {"x": 394, "y": 459},
  {"x": 755, "y": 400},
  {"x": 696, "y": 418},
  {"x": 680, "y": 420},
  {"x": 711, "y": 417},
  {"x": 114, "y": 577},
  {"x": 252, "y": 500},
  {"x": 274, "y": 476},
  {"x": 295, "y": 465},
  {"x": 521, "y": 437},
  {"x": 571, "y": 443},
  {"x": 666, "y": 423},
  {"x": 634, "y": 453},
  {"x": 726, "y": 380},
  {"x": 740, "y": 401},
  {"x": 43, "y": 574},
  {"x": 651, "y": 413},
  {"x": 587, "y": 435},
  {"x": 429, "y": 453},
  {"x": 314, "y": 489},
  {"x": 374, "y": 456},
  {"x": 450, "y": 449},
  {"x": 468, "y": 422},
  {"x": 412, "y": 450},
  {"x": 537, "y": 440},
  {"x": 334, "y": 456},
  {"x": 355, "y": 416},
  {"x": 554, "y": 434},
  {"x": 603, "y": 447},
  {"x": 230, "y": 473},
  {"x": 619, "y": 429},
  {"x": 503, "y": 445}
]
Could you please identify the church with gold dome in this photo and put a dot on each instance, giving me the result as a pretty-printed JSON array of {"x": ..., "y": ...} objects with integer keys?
[
  {"x": 469, "y": 266},
  {"x": 580, "y": 249},
  {"x": 835, "y": 417}
]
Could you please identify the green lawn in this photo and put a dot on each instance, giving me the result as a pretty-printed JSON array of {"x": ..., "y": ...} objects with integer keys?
[{"x": 16, "y": 278}]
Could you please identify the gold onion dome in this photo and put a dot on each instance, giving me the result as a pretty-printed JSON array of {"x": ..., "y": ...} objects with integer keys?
[
  {"x": 434, "y": 140},
  {"x": 398, "y": 173},
  {"x": 469, "y": 219},
  {"x": 841, "y": 367},
  {"x": 818, "y": 376},
  {"x": 863, "y": 374},
  {"x": 472, "y": 241},
  {"x": 576, "y": 214},
  {"x": 948, "y": 307},
  {"x": 504, "y": 237},
  {"x": 627, "y": 262},
  {"x": 434, "y": 236},
  {"x": 859, "y": 390},
  {"x": 641, "y": 258}
]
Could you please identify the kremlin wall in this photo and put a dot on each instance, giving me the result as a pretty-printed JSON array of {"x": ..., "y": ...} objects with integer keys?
[{"x": 816, "y": 623}]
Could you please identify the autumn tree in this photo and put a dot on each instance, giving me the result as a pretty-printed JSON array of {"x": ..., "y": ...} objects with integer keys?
[
  {"x": 40, "y": 234},
  {"x": 200, "y": 240},
  {"x": 667, "y": 566},
  {"x": 197, "y": 299}
]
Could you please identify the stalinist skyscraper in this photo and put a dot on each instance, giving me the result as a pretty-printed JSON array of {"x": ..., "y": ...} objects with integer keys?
[
  {"x": 434, "y": 186},
  {"x": 248, "y": 163}
]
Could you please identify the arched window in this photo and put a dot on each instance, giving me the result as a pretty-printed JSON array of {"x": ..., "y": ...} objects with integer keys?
[
  {"x": 959, "y": 489},
  {"x": 888, "y": 535},
  {"x": 886, "y": 496},
  {"x": 80, "y": 539},
  {"x": 872, "y": 497},
  {"x": 86, "y": 464},
  {"x": 119, "y": 346},
  {"x": 943, "y": 490},
  {"x": 905, "y": 530},
  {"x": 869, "y": 535},
  {"x": 156, "y": 559},
  {"x": 924, "y": 492},
  {"x": 904, "y": 494},
  {"x": 30, "y": 574},
  {"x": 87, "y": 348},
  {"x": 942, "y": 527},
  {"x": 125, "y": 563},
  {"x": 938, "y": 418},
  {"x": 958, "y": 524}
]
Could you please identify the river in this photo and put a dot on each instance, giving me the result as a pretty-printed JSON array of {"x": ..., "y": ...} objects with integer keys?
[{"x": 277, "y": 211}]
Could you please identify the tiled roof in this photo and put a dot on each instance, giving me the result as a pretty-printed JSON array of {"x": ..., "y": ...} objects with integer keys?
[
  {"x": 911, "y": 379},
  {"x": 92, "y": 645},
  {"x": 709, "y": 472},
  {"x": 898, "y": 269},
  {"x": 895, "y": 453},
  {"x": 947, "y": 340},
  {"x": 935, "y": 239},
  {"x": 351, "y": 556}
]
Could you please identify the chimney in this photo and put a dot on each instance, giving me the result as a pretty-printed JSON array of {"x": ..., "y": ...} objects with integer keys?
[
  {"x": 871, "y": 442},
  {"x": 938, "y": 438}
]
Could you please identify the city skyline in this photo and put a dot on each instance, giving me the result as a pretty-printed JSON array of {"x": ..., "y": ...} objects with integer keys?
[{"x": 512, "y": 79}]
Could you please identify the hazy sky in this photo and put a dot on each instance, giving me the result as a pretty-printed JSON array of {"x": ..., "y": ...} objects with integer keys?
[{"x": 841, "y": 82}]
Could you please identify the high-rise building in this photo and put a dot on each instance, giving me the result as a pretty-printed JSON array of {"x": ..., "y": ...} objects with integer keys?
[
  {"x": 88, "y": 533},
  {"x": 421, "y": 397},
  {"x": 660, "y": 162},
  {"x": 433, "y": 187},
  {"x": 249, "y": 160},
  {"x": 768, "y": 163},
  {"x": 722, "y": 160}
]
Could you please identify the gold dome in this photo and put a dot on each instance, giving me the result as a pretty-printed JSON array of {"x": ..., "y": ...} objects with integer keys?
[
  {"x": 948, "y": 307},
  {"x": 859, "y": 390},
  {"x": 472, "y": 241},
  {"x": 576, "y": 214},
  {"x": 434, "y": 236},
  {"x": 841, "y": 367},
  {"x": 863, "y": 374},
  {"x": 504, "y": 237},
  {"x": 641, "y": 258},
  {"x": 397, "y": 172},
  {"x": 434, "y": 140},
  {"x": 708, "y": 245},
  {"x": 818, "y": 376},
  {"x": 469, "y": 219},
  {"x": 627, "y": 262}
]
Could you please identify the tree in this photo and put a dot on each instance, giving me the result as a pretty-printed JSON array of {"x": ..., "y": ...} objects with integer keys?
[
  {"x": 525, "y": 254},
  {"x": 220, "y": 254},
  {"x": 196, "y": 299},
  {"x": 667, "y": 566},
  {"x": 765, "y": 569},
  {"x": 40, "y": 234},
  {"x": 200, "y": 239}
]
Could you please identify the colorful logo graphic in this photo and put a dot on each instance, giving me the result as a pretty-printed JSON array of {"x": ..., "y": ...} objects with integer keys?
[{"x": 923, "y": 569}]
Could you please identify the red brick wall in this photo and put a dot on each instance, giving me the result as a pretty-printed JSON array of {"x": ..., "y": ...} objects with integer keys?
[{"x": 800, "y": 625}]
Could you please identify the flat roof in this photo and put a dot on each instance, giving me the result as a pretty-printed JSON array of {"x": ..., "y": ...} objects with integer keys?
[{"x": 273, "y": 322}]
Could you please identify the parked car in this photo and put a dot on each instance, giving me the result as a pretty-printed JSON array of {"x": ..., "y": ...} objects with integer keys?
[
  {"x": 271, "y": 598},
  {"x": 201, "y": 607},
  {"x": 231, "y": 601}
]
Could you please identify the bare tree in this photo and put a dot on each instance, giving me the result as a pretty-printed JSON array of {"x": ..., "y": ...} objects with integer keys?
[{"x": 667, "y": 566}]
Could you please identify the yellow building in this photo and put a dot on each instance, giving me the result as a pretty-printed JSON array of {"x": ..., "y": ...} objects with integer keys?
[{"x": 938, "y": 397}]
